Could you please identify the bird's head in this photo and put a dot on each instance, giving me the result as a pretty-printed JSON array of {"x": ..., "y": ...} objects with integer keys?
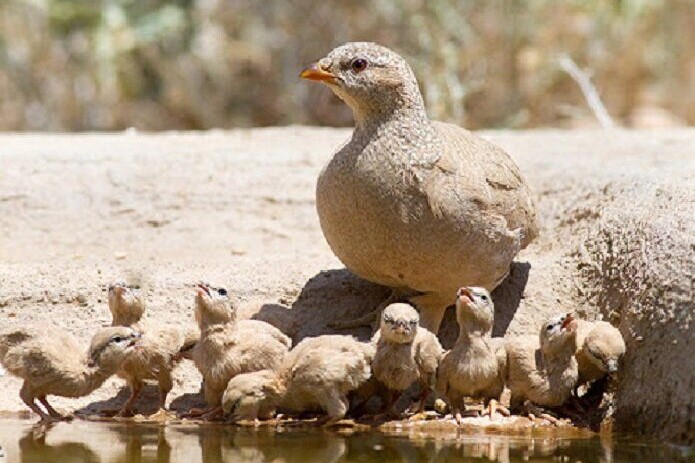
[
  {"x": 474, "y": 308},
  {"x": 247, "y": 392},
  {"x": 125, "y": 303},
  {"x": 558, "y": 333},
  {"x": 604, "y": 346},
  {"x": 372, "y": 80},
  {"x": 110, "y": 346},
  {"x": 212, "y": 306},
  {"x": 399, "y": 323}
]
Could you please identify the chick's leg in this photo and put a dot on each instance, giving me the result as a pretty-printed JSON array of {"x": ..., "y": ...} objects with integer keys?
[
  {"x": 165, "y": 385},
  {"x": 51, "y": 411},
  {"x": 128, "y": 407},
  {"x": 333, "y": 404},
  {"x": 29, "y": 399},
  {"x": 493, "y": 406},
  {"x": 431, "y": 307}
]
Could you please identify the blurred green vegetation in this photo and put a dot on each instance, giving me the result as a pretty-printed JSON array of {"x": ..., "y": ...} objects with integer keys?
[{"x": 197, "y": 64}]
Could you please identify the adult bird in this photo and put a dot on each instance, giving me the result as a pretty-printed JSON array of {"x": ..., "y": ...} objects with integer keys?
[{"x": 420, "y": 206}]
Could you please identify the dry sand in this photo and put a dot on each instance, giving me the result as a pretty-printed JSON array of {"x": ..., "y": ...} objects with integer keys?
[{"x": 237, "y": 209}]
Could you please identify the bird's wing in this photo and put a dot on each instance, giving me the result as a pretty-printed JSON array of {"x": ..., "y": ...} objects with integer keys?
[
  {"x": 470, "y": 172},
  {"x": 429, "y": 352}
]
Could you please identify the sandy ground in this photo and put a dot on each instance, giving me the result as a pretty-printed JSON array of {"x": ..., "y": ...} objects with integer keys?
[{"x": 237, "y": 209}]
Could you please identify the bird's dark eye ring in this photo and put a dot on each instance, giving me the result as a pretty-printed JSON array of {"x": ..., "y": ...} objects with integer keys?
[
  {"x": 117, "y": 339},
  {"x": 222, "y": 292},
  {"x": 483, "y": 297},
  {"x": 359, "y": 64}
]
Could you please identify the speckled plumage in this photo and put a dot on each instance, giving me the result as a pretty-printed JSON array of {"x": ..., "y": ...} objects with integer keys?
[
  {"x": 51, "y": 362},
  {"x": 477, "y": 364},
  {"x": 405, "y": 352},
  {"x": 228, "y": 348},
  {"x": 542, "y": 368},
  {"x": 600, "y": 346},
  {"x": 411, "y": 203},
  {"x": 318, "y": 373}
]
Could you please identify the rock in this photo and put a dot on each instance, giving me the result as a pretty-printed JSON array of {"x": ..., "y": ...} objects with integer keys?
[{"x": 639, "y": 271}]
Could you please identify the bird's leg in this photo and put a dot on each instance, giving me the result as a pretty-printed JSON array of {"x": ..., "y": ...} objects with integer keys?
[
  {"x": 418, "y": 407},
  {"x": 494, "y": 406},
  {"x": 212, "y": 414},
  {"x": 432, "y": 307},
  {"x": 127, "y": 408},
  {"x": 165, "y": 385},
  {"x": 333, "y": 404},
  {"x": 370, "y": 318},
  {"x": 28, "y": 398},
  {"x": 51, "y": 411},
  {"x": 534, "y": 411}
]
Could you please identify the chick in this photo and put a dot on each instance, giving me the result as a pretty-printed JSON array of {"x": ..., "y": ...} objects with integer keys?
[
  {"x": 156, "y": 355},
  {"x": 126, "y": 305},
  {"x": 51, "y": 362},
  {"x": 405, "y": 353},
  {"x": 600, "y": 348},
  {"x": 477, "y": 364},
  {"x": 228, "y": 348},
  {"x": 318, "y": 373},
  {"x": 544, "y": 373},
  {"x": 251, "y": 396}
]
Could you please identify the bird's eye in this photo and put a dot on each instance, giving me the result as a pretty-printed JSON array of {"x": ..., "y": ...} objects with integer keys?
[
  {"x": 549, "y": 327},
  {"x": 222, "y": 292},
  {"x": 413, "y": 322},
  {"x": 117, "y": 338},
  {"x": 358, "y": 65},
  {"x": 483, "y": 297}
]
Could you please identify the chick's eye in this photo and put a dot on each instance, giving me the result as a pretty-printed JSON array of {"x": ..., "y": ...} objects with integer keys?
[
  {"x": 549, "y": 327},
  {"x": 358, "y": 65},
  {"x": 483, "y": 297},
  {"x": 117, "y": 339},
  {"x": 222, "y": 292}
]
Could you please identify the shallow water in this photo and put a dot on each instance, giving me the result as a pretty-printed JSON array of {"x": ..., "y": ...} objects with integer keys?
[{"x": 82, "y": 441}]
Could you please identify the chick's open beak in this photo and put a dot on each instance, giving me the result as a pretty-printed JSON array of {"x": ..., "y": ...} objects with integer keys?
[
  {"x": 567, "y": 321},
  {"x": 316, "y": 73}
]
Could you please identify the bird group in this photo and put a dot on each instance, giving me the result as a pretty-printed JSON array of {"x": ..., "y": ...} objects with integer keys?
[{"x": 251, "y": 371}]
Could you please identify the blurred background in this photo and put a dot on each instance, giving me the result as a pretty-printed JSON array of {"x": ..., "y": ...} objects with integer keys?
[{"x": 71, "y": 65}]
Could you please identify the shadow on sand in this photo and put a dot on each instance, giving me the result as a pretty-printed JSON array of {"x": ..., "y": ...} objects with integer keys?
[{"x": 337, "y": 295}]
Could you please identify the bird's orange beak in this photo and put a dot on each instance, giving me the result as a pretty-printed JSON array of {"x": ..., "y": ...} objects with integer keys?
[{"x": 315, "y": 73}]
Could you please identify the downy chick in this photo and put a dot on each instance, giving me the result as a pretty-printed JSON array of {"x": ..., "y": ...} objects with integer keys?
[
  {"x": 318, "y": 373},
  {"x": 477, "y": 364},
  {"x": 51, "y": 362},
  {"x": 228, "y": 348},
  {"x": 600, "y": 348},
  {"x": 405, "y": 353},
  {"x": 156, "y": 355},
  {"x": 543, "y": 369},
  {"x": 126, "y": 305}
]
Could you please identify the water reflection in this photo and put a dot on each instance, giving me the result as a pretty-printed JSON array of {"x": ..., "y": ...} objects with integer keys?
[{"x": 93, "y": 442}]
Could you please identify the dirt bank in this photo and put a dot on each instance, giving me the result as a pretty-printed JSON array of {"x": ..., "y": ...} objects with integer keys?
[{"x": 237, "y": 209}]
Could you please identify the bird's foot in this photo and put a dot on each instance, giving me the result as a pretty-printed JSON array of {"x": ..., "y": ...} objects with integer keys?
[
  {"x": 212, "y": 415},
  {"x": 536, "y": 413},
  {"x": 162, "y": 415},
  {"x": 196, "y": 412},
  {"x": 125, "y": 412},
  {"x": 460, "y": 415},
  {"x": 494, "y": 407}
]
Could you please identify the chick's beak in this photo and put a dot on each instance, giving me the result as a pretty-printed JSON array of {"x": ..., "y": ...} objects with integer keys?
[
  {"x": 568, "y": 321},
  {"x": 316, "y": 73}
]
